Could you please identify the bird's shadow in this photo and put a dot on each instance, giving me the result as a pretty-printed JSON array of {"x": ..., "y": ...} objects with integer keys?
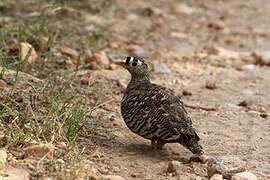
[{"x": 147, "y": 151}]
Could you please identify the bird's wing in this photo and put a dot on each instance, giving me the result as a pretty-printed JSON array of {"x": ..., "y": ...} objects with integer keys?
[{"x": 169, "y": 112}]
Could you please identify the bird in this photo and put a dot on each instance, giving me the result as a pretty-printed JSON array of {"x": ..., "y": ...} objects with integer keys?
[{"x": 155, "y": 112}]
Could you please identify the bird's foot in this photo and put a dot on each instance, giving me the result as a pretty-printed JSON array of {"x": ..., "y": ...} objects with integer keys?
[
  {"x": 158, "y": 144},
  {"x": 202, "y": 158}
]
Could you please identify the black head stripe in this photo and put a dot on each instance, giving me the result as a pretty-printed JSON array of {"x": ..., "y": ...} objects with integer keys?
[
  {"x": 127, "y": 60},
  {"x": 135, "y": 60}
]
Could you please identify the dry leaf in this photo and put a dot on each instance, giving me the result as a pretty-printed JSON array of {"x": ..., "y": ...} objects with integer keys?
[{"x": 27, "y": 53}]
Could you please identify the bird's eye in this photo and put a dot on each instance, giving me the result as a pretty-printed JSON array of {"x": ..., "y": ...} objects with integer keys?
[
  {"x": 134, "y": 64},
  {"x": 127, "y": 60}
]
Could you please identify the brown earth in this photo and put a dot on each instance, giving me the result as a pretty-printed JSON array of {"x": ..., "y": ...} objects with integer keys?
[{"x": 187, "y": 39}]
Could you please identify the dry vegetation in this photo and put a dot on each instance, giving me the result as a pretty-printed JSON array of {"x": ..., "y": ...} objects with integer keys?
[{"x": 60, "y": 91}]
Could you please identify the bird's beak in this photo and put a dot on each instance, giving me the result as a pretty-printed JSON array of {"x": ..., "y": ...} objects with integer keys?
[{"x": 120, "y": 63}]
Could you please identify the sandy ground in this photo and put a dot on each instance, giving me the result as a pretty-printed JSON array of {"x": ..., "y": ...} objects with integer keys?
[{"x": 174, "y": 35}]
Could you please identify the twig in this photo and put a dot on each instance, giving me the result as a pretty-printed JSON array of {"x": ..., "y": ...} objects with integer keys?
[{"x": 201, "y": 107}]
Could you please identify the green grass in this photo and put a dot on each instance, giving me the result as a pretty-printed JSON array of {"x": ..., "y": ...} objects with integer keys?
[{"x": 56, "y": 116}]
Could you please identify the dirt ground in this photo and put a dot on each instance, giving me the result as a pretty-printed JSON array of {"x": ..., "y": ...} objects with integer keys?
[{"x": 201, "y": 42}]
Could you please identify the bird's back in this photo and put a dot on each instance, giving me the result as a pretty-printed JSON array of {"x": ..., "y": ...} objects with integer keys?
[{"x": 153, "y": 111}]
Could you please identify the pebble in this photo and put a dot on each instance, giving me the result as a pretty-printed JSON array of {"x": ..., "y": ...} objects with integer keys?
[
  {"x": 211, "y": 85},
  {"x": 244, "y": 176},
  {"x": 98, "y": 60},
  {"x": 245, "y": 103},
  {"x": 112, "y": 177},
  {"x": 264, "y": 115},
  {"x": 262, "y": 58},
  {"x": 249, "y": 67},
  {"x": 225, "y": 165},
  {"x": 72, "y": 53},
  {"x": 174, "y": 166},
  {"x": 186, "y": 93},
  {"x": 217, "y": 177}
]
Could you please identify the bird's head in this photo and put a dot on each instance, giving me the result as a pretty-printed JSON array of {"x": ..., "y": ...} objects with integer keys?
[{"x": 136, "y": 66}]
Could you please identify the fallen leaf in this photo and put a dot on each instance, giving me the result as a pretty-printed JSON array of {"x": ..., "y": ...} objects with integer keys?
[{"x": 27, "y": 53}]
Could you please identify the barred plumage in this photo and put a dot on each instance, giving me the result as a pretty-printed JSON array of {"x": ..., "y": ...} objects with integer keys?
[{"x": 155, "y": 112}]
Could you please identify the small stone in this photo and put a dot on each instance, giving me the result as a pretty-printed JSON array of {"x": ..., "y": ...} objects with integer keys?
[
  {"x": 249, "y": 67},
  {"x": 112, "y": 177},
  {"x": 244, "y": 176},
  {"x": 27, "y": 53},
  {"x": 262, "y": 58},
  {"x": 174, "y": 166},
  {"x": 186, "y": 176},
  {"x": 161, "y": 68},
  {"x": 3, "y": 84},
  {"x": 245, "y": 103},
  {"x": 217, "y": 177},
  {"x": 3, "y": 157},
  {"x": 134, "y": 175},
  {"x": 216, "y": 25},
  {"x": 178, "y": 35},
  {"x": 72, "y": 53},
  {"x": 98, "y": 60},
  {"x": 225, "y": 165},
  {"x": 184, "y": 9},
  {"x": 211, "y": 85},
  {"x": 264, "y": 115},
  {"x": 186, "y": 93}
]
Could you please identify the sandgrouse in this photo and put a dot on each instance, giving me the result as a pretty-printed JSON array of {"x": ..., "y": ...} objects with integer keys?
[{"x": 155, "y": 112}]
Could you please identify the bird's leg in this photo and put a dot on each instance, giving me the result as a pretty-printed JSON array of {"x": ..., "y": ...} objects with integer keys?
[
  {"x": 202, "y": 158},
  {"x": 153, "y": 143},
  {"x": 160, "y": 144}
]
